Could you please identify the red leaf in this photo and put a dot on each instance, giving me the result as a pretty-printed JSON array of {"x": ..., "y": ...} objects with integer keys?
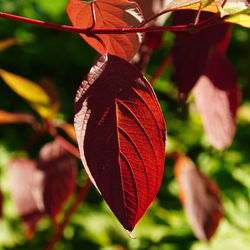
[
  {"x": 121, "y": 136},
  {"x": 217, "y": 99},
  {"x": 7, "y": 117},
  {"x": 191, "y": 50},
  {"x": 109, "y": 14},
  {"x": 200, "y": 198},
  {"x": 59, "y": 181},
  {"x": 24, "y": 184}
]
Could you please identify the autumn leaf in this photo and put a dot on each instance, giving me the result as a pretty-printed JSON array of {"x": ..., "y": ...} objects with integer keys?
[
  {"x": 109, "y": 14},
  {"x": 31, "y": 92},
  {"x": 59, "y": 177},
  {"x": 24, "y": 184},
  {"x": 195, "y": 48},
  {"x": 217, "y": 99},
  {"x": 7, "y": 117},
  {"x": 121, "y": 137},
  {"x": 4, "y": 44},
  {"x": 200, "y": 198}
]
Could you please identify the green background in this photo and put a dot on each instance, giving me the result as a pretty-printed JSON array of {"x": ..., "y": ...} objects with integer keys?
[{"x": 65, "y": 58}]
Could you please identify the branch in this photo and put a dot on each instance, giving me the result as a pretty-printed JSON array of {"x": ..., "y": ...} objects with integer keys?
[
  {"x": 80, "y": 196},
  {"x": 190, "y": 27}
]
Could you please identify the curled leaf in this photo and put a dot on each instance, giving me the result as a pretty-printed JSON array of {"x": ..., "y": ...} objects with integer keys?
[
  {"x": 121, "y": 137},
  {"x": 109, "y": 14},
  {"x": 200, "y": 198}
]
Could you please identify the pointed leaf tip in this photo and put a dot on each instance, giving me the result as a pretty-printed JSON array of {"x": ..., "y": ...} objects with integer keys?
[{"x": 120, "y": 131}]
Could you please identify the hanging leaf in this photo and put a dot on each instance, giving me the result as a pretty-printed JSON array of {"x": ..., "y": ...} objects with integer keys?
[
  {"x": 59, "y": 180},
  {"x": 217, "y": 99},
  {"x": 24, "y": 184},
  {"x": 30, "y": 91},
  {"x": 195, "y": 48},
  {"x": 7, "y": 117},
  {"x": 121, "y": 137},
  {"x": 200, "y": 198},
  {"x": 109, "y": 14}
]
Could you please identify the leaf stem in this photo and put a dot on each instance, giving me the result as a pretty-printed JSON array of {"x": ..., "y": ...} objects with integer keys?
[
  {"x": 80, "y": 197},
  {"x": 201, "y": 25},
  {"x": 68, "y": 146}
]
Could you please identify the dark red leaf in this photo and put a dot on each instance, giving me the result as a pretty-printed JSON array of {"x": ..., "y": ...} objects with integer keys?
[
  {"x": 217, "y": 99},
  {"x": 191, "y": 50},
  {"x": 121, "y": 136},
  {"x": 59, "y": 180},
  {"x": 200, "y": 198},
  {"x": 109, "y": 14},
  {"x": 25, "y": 187}
]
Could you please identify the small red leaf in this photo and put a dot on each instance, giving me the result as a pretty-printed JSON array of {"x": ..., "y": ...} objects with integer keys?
[
  {"x": 191, "y": 50},
  {"x": 109, "y": 14},
  {"x": 121, "y": 136},
  {"x": 200, "y": 198},
  {"x": 23, "y": 184},
  {"x": 59, "y": 181},
  {"x": 217, "y": 99}
]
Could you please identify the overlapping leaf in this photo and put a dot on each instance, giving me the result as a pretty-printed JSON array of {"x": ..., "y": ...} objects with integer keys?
[
  {"x": 121, "y": 136},
  {"x": 195, "y": 48},
  {"x": 200, "y": 198},
  {"x": 25, "y": 186},
  {"x": 217, "y": 99},
  {"x": 109, "y": 14},
  {"x": 59, "y": 179}
]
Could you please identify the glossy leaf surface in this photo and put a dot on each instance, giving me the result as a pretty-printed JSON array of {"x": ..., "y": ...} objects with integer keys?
[
  {"x": 200, "y": 198},
  {"x": 109, "y": 14},
  {"x": 121, "y": 137}
]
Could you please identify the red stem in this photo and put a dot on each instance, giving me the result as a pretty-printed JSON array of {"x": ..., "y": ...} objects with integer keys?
[
  {"x": 159, "y": 71},
  {"x": 80, "y": 197},
  {"x": 202, "y": 25}
]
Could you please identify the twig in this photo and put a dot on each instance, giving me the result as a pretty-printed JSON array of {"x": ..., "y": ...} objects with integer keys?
[
  {"x": 200, "y": 26},
  {"x": 68, "y": 146},
  {"x": 159, "y": 71},
  {"x": 80, "y": 197}
]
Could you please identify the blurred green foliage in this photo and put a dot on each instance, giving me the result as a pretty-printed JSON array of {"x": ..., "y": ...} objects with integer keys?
[{"x": 65, "y": 58}]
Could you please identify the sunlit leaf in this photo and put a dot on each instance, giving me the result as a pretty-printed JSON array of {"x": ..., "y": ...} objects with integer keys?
[
  {"x": 217, "y": 99},
  {"x": 30, "y": 91},
  {"x": 121, "y": 137},
  {"x": 109, "y": 14},
  {"x": 241, "y": 19},
  {"x": 200, "y": 198}
]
